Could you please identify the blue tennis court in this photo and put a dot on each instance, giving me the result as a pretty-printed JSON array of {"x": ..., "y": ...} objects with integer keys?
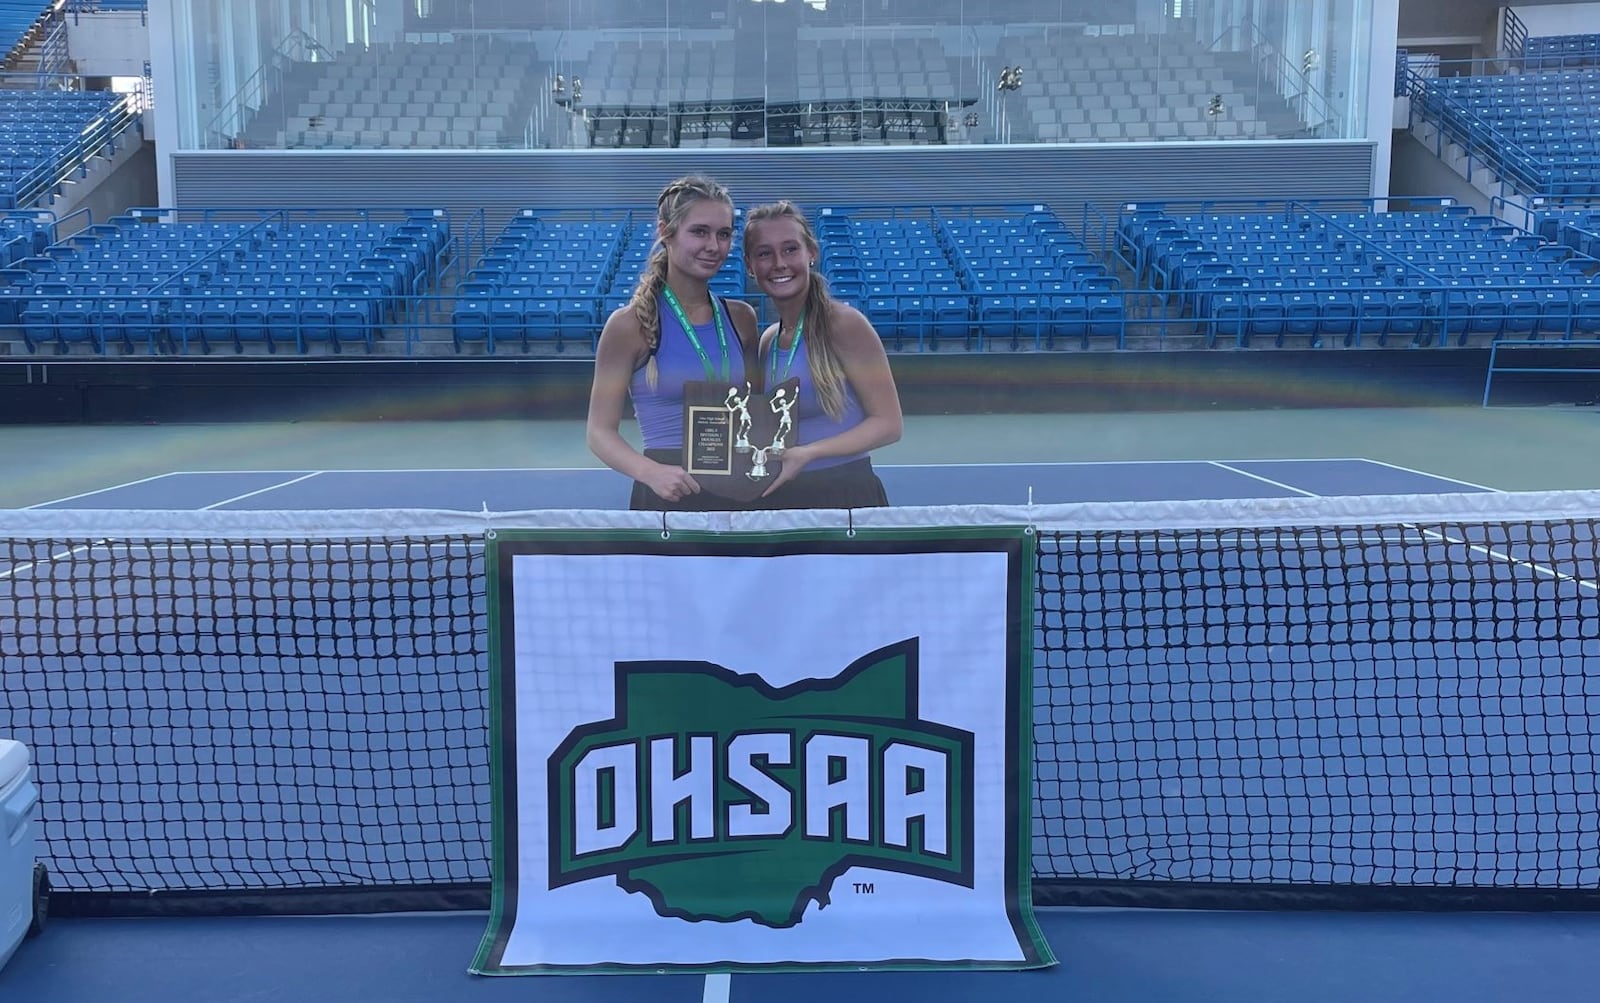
[
  {"x": 932, "y": 484},
  {"x": 1401, "y": 704}
]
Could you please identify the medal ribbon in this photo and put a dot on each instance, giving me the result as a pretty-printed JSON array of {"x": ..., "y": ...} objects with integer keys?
[
  {"x": 799, "y": 333},
  {"x": 688, "y": 328}
]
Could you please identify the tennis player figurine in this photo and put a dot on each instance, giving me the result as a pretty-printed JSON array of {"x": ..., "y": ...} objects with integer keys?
[
  {"x": 782, "y": 404},
  {"x": 740, "y": 406}
]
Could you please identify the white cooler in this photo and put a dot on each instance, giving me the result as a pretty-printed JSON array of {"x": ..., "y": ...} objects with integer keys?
[{"x": 19, "y": 799}]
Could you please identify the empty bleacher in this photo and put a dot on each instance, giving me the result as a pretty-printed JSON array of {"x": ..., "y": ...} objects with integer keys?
[
  {"x": 657, "y": 72},
  {"x": 1079, "y": 87},
  {"x": 549, "y": 280},
  {"x": 964, "y": 279},
  {"x": 1539, "y": 131},
  {"x": 539, "y": 281},
  {"x": 17, "y": 18},
  {"x": 1306, "y": 278},
  {"x": 1083, "y": 88},
  {"x": 408, "y": 96},
  {"x": 46, "y": 135},
  {"x": 1561, "y": 52},
  {"x": 144, "y": 284},
  {"x": 877, "y": 68},
  {"x": 972, "y": 278},
  {"x": 969, "y": 279}
]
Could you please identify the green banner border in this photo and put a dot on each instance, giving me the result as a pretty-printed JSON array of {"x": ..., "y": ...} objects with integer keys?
[{"x": 1018, "y": 542}]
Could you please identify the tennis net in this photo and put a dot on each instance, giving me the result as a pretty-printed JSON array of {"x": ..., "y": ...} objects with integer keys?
[{"x": 1329, "y": 702}]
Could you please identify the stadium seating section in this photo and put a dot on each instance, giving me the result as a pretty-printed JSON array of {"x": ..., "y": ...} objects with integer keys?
[
  {"x": 46, "y": 134},
  {"x": 1362, "y": 278},
  {"x": 469, "y": 94},
  {"x": 17, "y": 17},
  {"x": 963, "y": 279},
  {"x": 136, "y": 285},
  {"x": 1085, "y": 88},
  {"x": 1539, "y": 130},
  {"x": 1562, "y": 52},
  {"x": 650, "y": 92},
  {"x": 925, "y": 277}
]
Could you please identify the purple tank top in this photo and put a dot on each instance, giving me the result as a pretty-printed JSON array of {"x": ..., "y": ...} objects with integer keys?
[
  {"x": 660, "y": 408},
  {"x": 816, "y": 424}
]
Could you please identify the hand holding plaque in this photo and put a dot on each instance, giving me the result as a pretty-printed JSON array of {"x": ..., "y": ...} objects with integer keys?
[{"x": 733, "y": 436}]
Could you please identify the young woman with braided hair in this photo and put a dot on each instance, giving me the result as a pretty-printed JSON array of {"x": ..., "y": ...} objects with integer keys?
[
  {"x": 672, "y": 332},
  {"x": 848, "y": 403}
]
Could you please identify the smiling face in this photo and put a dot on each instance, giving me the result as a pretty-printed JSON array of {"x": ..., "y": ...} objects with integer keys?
[
  {"x": 779, "y": 252},
  {"x": 698, "y": 243}
]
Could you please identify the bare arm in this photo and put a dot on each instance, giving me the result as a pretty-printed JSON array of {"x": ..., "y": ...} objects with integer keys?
[
  {"x": 744, "y": 324},
  {"x": 866, "y": 369},
  {"x": 621, "y": 351}
]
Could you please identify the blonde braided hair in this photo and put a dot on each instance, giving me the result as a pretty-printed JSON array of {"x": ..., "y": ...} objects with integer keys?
[{"x": 672, "y": 205}]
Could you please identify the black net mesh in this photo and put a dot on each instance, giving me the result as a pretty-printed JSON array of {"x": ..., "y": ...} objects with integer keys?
[{"x": 1410, "y": 706}]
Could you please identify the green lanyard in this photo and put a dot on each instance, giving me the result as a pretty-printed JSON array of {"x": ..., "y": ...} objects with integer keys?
[
  {"x": 688, "y": 328},
  {"x": 794, "y": 346}
]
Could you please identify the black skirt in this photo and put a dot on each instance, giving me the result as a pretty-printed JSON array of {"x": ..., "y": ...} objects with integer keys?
[
  {"x": 645, "y": 500},
  {"x": 848, "y": 485}
]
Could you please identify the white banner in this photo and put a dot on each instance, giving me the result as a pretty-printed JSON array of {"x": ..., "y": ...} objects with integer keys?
[{"x": 733, "y": 752}]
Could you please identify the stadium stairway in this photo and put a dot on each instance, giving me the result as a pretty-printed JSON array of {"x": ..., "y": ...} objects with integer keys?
[
  {"x": 1241, "y": 70},
  {"x": 24, "y": 56}
]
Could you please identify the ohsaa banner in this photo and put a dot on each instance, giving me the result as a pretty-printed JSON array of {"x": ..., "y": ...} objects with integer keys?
[{"x": 739, "y": 751}]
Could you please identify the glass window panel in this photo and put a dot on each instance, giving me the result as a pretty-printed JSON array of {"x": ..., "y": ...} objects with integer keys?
[{"x": 555, "y": 74}]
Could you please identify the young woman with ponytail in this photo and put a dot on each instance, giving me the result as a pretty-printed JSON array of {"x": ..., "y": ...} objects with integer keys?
[
  {"x": 848, "y": 402},
  {"x": 673, "y": 331}
]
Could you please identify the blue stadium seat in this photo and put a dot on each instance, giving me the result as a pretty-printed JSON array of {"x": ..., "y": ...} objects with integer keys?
[
  {"x": 38, "y": 320},
  {"x": 508, "y": 320},
  {"x": 252, "y": 323},
  {"x": 470, "y": 322},
  {"x": 541, "y": 320}
]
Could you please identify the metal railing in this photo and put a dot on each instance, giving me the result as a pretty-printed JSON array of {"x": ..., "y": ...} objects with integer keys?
[
  {"x": 53, "y": 58},
  {"x": 1513, "y": 35},
  {"x": 99, "y": 135},
  {"x": 1485, "y": 145},
  {"x": 1288, "y": 79},
  {"x": 262, "y": 86}
]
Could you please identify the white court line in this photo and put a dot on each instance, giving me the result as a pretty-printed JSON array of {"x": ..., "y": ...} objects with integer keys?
[
  {"x": 259, "y": 491},
  {"x": 717, "y": 989},
  {"x": 1582, "y": 583},
  {"x": 1437, "y": 477},
  {"x": 416, "y": 470},
  {"x": 1264, "y": 480},
  {"x": 892, "y": 466},
  {"x": 97, "y": 491},
  {"x": 30, "y": 565}
]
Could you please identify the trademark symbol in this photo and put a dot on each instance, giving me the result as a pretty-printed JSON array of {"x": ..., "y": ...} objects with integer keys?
[{"x": 863, "y": 887}]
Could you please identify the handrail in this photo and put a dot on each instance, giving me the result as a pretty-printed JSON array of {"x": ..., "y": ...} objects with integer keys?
[
  {"x": 1367, "y": 244},
  {"x": 1513, "y": 35},
  {"x": 1282, "y": 74},
  {"x": 1498, "y": 150},
  {"x": 1285, "y": 74},
  {"x": 95, "y": 136},
  {"x": 267, "y": 216},
  {"x": 295, "y": 47},
  {"x": 53, "y": 57}
]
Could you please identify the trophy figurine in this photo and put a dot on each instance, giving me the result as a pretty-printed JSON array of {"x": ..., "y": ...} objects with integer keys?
[
  {"x": 739, "y": 406},
  {"x": 782, "y": 404},
  {"x": 758, "y": 463}
]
